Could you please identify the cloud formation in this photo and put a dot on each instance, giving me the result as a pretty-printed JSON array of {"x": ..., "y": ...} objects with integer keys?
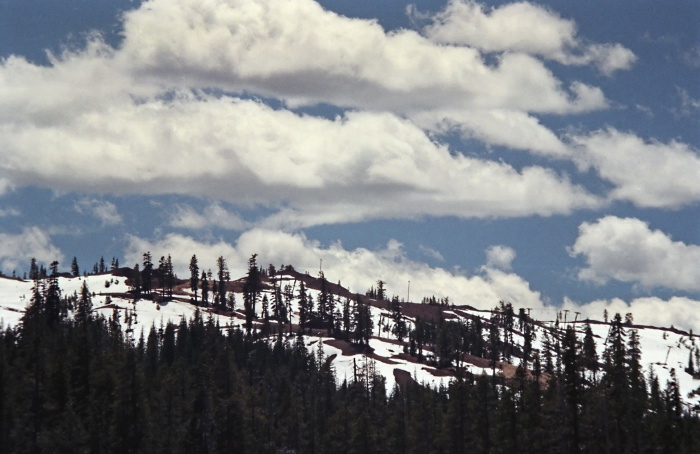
[
  {"x": 500, "y": 257},
  {"x": 679, "y": 312},
  {"x": 527, "y": 28},
  {"x": 359, "y": 268},
  {"x": 162, "y": 125},
  {"x": 16, "y": 250},
  {"x": 213, "y": 215},
  {"x": 303, "y": 54},
  {"x": 103, "y": 210},
  {"x": 627, "y": 250},
  {"x": 649, "y": 174},
  {"x": 245, "y": 152}
]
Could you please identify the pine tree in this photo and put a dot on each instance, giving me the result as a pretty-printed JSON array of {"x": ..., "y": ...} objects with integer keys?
[
  {"x": 303, "y": 306},
  {"x": 194, "y": 276},
  {"x": 572, "y": 387},
  {"x": 169, "y": 276},
  {"x": 147, "y": 273},
  {"x": 84, "y": 307},
  {"x": 74, "y": 270},
  {"x": 33, "y": 270},
  {"x": 399, "y": 328},
  {"x": 223, "y": 278},
  {"x": 136, "y": 281},
  {"x": 205, "y": 289},
  {"x": 53, "y": 296}
]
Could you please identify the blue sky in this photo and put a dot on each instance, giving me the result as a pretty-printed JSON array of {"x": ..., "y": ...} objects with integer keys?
[{"x": 544, "y": 153}]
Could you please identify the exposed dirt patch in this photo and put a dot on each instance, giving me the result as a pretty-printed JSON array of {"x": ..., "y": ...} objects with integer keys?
[
  {"x": 476, "y": 360},
  {"x": 439, "y": 372},
  {"x": 345, "y": 347}
]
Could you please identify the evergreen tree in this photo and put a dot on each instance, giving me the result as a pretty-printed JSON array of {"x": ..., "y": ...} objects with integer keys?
[
  {"x": 33, "y": 270},
  {"x": 74, "y": 270},
  {"x": 399, "y": 328},
  {"x": 52, "y": 300},
  {"x": 223, "y": 274},
  {"x": 205, "y": 289},
  {"x": 147, "y": 273},
  {"x": 84, "y": 306},
  {"x": 304, "y": 305},
  {"x": 136, "y": 281},
  {"x": 194, "y": 276},
  {"x": 251, "y": 291},
  {"x": 169, "y": 276}
]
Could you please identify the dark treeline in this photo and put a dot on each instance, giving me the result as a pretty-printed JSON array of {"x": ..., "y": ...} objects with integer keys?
[{"x": 84, "y": 384}]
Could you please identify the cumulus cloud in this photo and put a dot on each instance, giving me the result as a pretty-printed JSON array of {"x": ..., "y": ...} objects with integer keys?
[
  {"x": 509, "y": 128},
  {"x": 103, "y": 210},
  {"x": 246, "y": 152},
  {"x": 680, "y": 312},
  {"x": 16, "y": 250},
  {"x": 500, "y": 257},
  {"x": 689, "y": 105},
  {"x": 299, "y": 52},
  {"x": 150, "y": 130},
  {"x": 434, "y": 254},
  {"x": 627, "y": 250},
  {"x": 527, "y": 28},
  {"x": 647, "y": 173},
  {"x": 358, "y": 268},
  {"x": 213, "y": 215},
  {"x": 9, "y": 212}
]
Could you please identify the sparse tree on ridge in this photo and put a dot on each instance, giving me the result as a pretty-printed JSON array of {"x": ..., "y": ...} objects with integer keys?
[
  {"x": 147, "y": 272},
  {"x": 74, "y": 270},
  {"x": 251, "y": 291},
  {"x": 205, "y": 289},
  {"x": 194, "y": 276},
  {"x": 169, "y": 276},
  {"x": 224, "y": 277},
  {"x": 33, "y": 270},
  {"x": 136, "y": 281}
]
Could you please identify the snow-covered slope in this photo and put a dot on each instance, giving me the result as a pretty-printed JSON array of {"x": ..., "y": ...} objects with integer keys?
[{"x": 662, "y": 349}]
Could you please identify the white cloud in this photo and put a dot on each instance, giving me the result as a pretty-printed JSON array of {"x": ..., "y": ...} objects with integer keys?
[
  {"x": 181, "y": 248},
  {"x": 500, "y": 257},
  {"x": 689, "y": 105},
  {"x": 431, "y": 253},
  {"x": 679, "y": 312},
  {"x": 628, "y": 250},
  {"x": 213, "y": 215},
  {"x": 16, "y": 250},
  {"x": 245, "y": 152},
  {"x": 103, "y": 210},
  {"x": 649, "y": 174},
  {"x": 5, "y": 185},
  {"x": 358, "y": 269},
  {"x": 523, "y": 27},
  {"x": 149, "y": 131},
  {"x": 9, "y": 212},
  {"x": 508, "y": 128},
  {"x": 303, "y": 54}
]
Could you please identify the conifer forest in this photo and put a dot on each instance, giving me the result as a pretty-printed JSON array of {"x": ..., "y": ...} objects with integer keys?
[{"x": 77, "y": 379}]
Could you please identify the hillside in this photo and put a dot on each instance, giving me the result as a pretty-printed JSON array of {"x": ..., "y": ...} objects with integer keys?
[{"x": 663, "y": 349}]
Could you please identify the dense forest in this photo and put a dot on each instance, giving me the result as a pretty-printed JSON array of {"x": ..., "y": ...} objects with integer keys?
[{"x": 74, "y": 381}]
